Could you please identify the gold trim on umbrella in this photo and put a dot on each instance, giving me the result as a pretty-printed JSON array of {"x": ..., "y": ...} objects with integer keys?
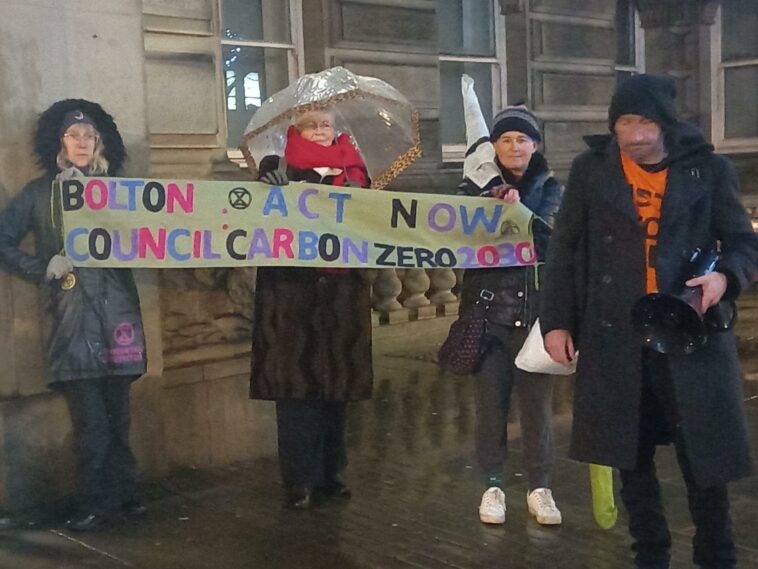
[
  {"x": 390, "y": 173},
  {"x": 404, "y": 160}
]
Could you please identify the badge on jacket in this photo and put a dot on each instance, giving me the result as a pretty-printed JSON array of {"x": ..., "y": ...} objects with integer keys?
[{"x": 69, "y": 281}]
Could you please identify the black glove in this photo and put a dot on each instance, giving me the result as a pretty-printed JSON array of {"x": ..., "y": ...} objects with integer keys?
[{"x": 275, "y": 178}]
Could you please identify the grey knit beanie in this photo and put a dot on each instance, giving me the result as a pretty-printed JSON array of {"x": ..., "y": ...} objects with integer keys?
[{"x": 516, "y": 118}]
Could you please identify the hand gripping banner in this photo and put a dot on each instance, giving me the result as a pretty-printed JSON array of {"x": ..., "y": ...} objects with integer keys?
[{"x": 131, "y": 222}]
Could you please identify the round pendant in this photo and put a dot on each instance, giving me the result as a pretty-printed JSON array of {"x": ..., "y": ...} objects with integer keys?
[{"x": 69, "y": 281}]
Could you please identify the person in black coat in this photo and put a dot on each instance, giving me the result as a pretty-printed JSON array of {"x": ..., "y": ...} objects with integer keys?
[
  {"x": 93, "y": 325},
  {"x": 512, "y": 311},
  {"x": 637, "y": 205}
]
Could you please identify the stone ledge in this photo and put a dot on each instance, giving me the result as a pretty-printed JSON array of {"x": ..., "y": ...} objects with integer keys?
[{"x": 205, "y": 355}]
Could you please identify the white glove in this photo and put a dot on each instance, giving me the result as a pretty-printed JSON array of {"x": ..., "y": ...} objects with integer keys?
[{"x": 58, "y": 267}]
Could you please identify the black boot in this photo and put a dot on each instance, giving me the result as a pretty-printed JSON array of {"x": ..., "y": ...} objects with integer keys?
[
  {"x": 335, "y": 487},
  {"x": 298, "y": 498},
  {"x": 133, "y": 510},
  {"x": 8, "y": 523},
  {"x": 91, "y": 521}
]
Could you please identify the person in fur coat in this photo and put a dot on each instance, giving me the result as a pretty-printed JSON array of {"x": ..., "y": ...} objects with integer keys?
[{"x": 312, "y": 329}]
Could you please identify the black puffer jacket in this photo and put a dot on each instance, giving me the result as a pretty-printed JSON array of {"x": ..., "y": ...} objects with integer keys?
[
  {"x": 515, "y": 289},
  {"x": 94, "y": 329}
]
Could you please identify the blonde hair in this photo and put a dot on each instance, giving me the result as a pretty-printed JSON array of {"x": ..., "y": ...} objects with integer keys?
[{"x": 98, "y": 165}]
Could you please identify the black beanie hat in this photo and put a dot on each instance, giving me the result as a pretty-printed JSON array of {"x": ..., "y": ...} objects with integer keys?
[
  {"x": 515, "y": 118},
  {"x": 75, "y": 117},
  {"x": 650, "y": 96}
]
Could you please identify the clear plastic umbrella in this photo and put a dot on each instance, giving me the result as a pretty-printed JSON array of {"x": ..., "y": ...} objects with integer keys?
[{"x": 381, "y": 122}]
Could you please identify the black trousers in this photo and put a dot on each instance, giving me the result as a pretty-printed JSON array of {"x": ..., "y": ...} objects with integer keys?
[
  {"x": 496, "y": 380},
  {"x": 106, "y": 468},
  {"x": 311, "y": 438},
  {"x": 713, "y": 547}
]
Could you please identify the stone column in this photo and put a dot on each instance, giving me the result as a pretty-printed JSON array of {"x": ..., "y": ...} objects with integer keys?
[
  {"x": 415, "y": 284},
  {"x": 442, "y": 283},
  {"x": 441, "y": 291},
  {"x": 673, "y": 47},
  {"x": 387, "y": 287}
]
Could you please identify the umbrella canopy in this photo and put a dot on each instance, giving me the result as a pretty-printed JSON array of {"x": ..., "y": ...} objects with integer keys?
[{"x": 381, "y": 122}]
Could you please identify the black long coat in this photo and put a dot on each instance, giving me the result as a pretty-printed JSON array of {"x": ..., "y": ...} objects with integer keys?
[
  {"x": 594, "y": 274},
  {"x": 93, "y": 330},
  {"x": 312, "y": 329}
]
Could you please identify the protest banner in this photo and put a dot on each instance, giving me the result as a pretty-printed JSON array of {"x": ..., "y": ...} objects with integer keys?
[{"x": 133, "y": 222}]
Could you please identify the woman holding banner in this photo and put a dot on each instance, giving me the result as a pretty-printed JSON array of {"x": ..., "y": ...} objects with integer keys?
[
  {"x": 93, "y": 327},
  {"x": 512, "y": 297},
  {"x": 312, "y": 329}
]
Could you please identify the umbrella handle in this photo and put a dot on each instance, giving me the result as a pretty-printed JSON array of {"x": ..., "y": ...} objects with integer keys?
[
  {"x": 282, "y": 165},
  {"x": 603, "y": 502}
]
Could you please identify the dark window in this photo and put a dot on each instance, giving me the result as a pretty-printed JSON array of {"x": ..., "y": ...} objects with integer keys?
[{"x": 255, "y": 48}]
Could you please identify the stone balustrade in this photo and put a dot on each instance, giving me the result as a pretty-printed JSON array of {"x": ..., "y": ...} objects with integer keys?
[
  {"x": 206, "y": 308},
  {"x": 414, "y": 294}
]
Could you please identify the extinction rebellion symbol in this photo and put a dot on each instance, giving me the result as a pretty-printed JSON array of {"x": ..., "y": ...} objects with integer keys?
[
  {"x": 124, "y": 334},
  {"x": 239, "y": 198}
]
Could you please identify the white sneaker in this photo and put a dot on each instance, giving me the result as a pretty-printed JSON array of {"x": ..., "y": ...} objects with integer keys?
[
  {"x": 492, "y": 507},
  {"x": 542, "y": 506}
]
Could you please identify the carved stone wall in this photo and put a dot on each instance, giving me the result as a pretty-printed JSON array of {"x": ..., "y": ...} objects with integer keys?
[
  {"x": 563, "y": 65},
  {"x": 677, "y": 44},
  {"x": 184, "y": 112},
  {"x": 672, "y": 47},
  {"x": 665, "y": 13},
  {"x": 202, "y": 307},
  {"x": 396, "y": 42}
]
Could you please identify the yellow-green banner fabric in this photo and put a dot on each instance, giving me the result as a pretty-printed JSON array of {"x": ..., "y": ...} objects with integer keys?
[{"x": 132, "y": 222}]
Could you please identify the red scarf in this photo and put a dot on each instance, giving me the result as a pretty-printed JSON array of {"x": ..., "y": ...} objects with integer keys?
[{"x": 303, "y": 154}]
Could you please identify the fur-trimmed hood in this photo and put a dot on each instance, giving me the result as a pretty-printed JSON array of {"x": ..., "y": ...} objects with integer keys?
[{"x": 47, "y": 141}]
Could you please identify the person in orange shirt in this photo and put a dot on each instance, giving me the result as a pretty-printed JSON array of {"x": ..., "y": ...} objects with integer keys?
[{"x": 637, "y": 205}]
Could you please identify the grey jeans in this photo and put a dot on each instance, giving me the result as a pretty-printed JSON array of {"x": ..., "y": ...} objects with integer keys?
[{"x": 495, "y": 381}]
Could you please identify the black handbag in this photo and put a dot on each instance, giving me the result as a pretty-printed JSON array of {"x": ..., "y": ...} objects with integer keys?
[{"x": 462, "y": 351}]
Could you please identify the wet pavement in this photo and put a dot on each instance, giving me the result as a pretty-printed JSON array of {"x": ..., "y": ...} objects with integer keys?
[{"x": 414, "y": 505}]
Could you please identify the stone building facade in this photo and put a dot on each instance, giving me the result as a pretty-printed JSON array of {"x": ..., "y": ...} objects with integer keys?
[{"x": 183, "y": 77}]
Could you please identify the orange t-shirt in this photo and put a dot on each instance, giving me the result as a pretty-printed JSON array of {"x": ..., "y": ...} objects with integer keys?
[{"x": 647, "y": 193}]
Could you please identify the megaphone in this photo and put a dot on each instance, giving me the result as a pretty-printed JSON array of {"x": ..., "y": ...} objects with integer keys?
[{"x": 673, "y": 323}]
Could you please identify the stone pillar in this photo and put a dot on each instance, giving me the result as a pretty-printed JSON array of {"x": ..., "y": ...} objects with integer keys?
[
  {"x": 672, "y": 47},
  {"x": 508, "y": 7},
  {"x": 415, "y": 285},
  {"x": 387, "y": 287},
  {"x": 441, "y": 288}
]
